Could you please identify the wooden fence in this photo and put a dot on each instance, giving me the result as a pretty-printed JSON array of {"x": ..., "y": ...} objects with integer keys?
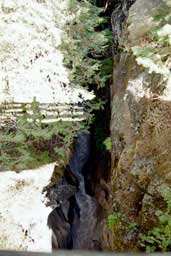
[{"x": 49, "y": 112}]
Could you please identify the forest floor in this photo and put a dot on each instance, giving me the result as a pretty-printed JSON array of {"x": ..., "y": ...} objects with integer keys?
[{"x": 23, "y": 214}]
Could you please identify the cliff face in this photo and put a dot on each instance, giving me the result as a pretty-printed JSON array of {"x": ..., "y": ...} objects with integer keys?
[{"x": 140, "y": 125}]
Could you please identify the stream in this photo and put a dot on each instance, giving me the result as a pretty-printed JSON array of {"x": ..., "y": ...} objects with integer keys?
[{"x": 73, "y": 221}]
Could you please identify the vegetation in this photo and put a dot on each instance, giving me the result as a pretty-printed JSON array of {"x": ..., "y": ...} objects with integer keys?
[
  {"x": 108, "y": 143},
  {"x": 120, "y": 228},
  {"x": 87, "y": 50},
  {"x": 114, "y": 219},
  {"x": 32, "y": 143},
  {"x": 159, "y": 238},
  {"x": 86, "y": 45}
]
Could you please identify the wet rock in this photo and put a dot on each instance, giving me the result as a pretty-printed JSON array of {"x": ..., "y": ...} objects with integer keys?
[
  {"x": 59, "y": 194},
  {"x": 84, "y": 228},
  {"x": 60, "y": 227}
]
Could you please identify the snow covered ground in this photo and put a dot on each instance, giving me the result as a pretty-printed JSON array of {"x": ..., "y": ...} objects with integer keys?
[
  {"x": 23, "y": 215},
  {"x": 31, "y": 64}
]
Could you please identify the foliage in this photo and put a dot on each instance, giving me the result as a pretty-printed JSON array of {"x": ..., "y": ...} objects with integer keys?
[
  {"x": 120, "y": 229},
  {"x": 85, "y": 47},
  {"x": 108, "y": 143},
  {"x": 155, "y": 52},
  {"x": 159, "y": 238},
  {"x": 32, "y": 143},
  {"x": 113, "y": 220},
  {"x": 133, "y": 227},
  {"x": 92, "y": 106},
  {"x": 117, "y": 218}
]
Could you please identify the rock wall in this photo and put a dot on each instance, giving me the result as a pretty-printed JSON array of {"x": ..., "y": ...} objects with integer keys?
[{"x": 140, "y": 126}]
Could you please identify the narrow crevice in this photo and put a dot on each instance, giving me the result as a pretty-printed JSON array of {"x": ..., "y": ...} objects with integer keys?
[
  {"x": 82, "y": 191},
  {"x": 74, "y": 219}
]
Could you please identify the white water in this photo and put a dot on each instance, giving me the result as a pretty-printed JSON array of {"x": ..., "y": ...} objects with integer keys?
[{"x": 23, "y": 215}]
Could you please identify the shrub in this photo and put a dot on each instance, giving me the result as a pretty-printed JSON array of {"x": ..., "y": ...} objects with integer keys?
[
  {"x": 86, "y": 45},
  {"x": 159, "y": 238}
]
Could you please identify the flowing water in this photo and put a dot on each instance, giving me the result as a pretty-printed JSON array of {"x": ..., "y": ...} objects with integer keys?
[{"x": 74, "y": 221}]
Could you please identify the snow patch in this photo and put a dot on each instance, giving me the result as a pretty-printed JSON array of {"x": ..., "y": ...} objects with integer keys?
[
  {"x": 23, "y": 215},
  {"x": 31, "y": 63}
]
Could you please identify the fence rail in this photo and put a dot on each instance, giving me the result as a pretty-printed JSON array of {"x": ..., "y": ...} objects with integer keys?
[{"x": 50, "y": 112}]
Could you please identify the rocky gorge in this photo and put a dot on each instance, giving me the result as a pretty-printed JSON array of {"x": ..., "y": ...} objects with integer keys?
[{"x": 118, "y": 197}]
